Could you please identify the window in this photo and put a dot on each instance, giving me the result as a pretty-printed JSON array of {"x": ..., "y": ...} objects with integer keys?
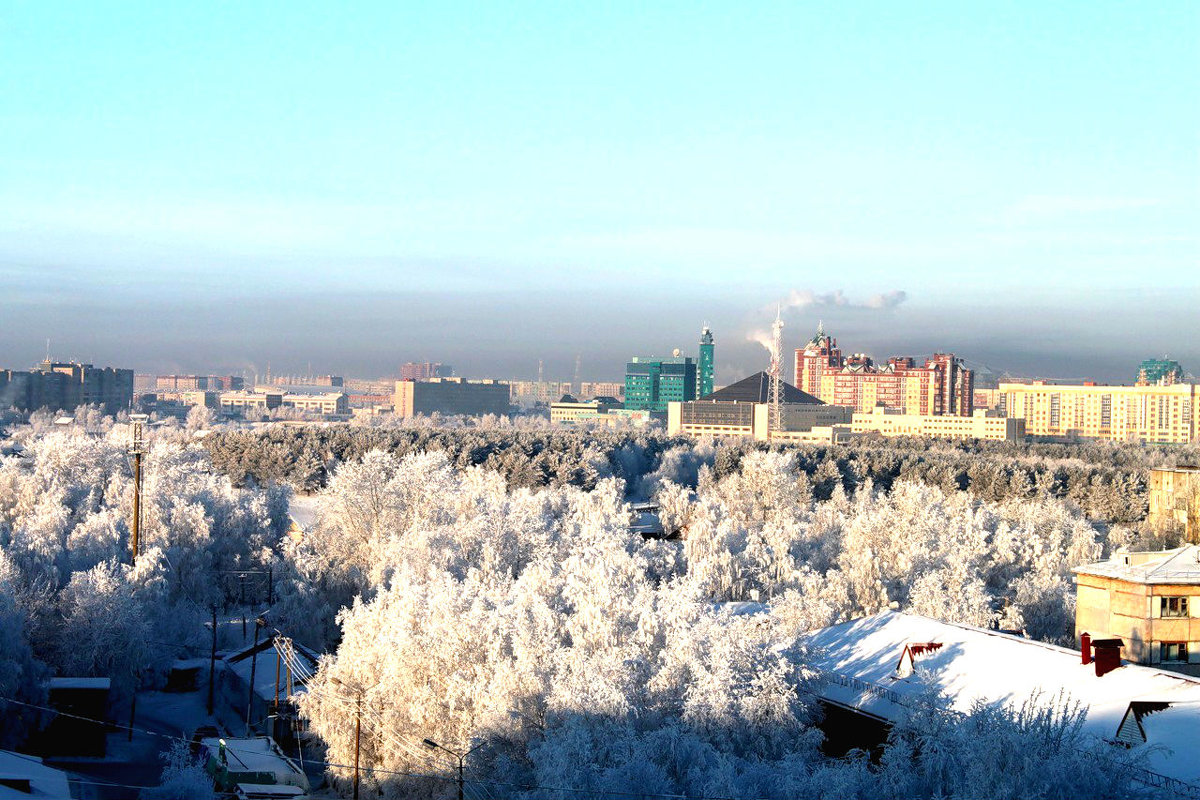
[
  {"x": 1174, "y": 651},
  {"x": 1173, "y": 606}
]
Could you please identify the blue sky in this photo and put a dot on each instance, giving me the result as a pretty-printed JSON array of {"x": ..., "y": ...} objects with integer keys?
[{"x": 195, "y": 186}]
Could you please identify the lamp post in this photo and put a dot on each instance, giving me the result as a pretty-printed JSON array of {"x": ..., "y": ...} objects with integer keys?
[
  {"x": 358, "y": 695},
  {"x": 462, "y": 757}
]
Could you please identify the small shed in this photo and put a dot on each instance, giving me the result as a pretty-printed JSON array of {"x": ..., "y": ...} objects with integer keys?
[{"x": 85, "y": 698}]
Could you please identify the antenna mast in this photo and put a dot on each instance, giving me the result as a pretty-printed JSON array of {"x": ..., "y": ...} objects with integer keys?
[
  {"x": 775, "y": 418},
  {"x": 577, "y": 386},
  {"x": 137, "y": 449}
]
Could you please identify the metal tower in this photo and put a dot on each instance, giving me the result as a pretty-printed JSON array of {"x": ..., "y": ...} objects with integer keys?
[{"x": 775, "y": 418}]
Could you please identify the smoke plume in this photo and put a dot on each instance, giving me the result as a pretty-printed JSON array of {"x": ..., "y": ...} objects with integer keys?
[{"x": 807, "y": 298}]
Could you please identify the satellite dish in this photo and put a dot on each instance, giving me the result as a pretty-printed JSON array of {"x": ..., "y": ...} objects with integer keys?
[{"x": 675, "y": 352}]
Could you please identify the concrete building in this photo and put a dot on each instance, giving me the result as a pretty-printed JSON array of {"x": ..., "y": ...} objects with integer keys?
[
  {"x": 255, "y": 402},
  {"x": 66, "y": 385},
  {"x": 423, "y": 371},
  {"x": 207, "y": 399},
  {"x": 569, "y": 411},
  {"x": 1151, "y": 601},
  {"x": 327, "y": 403},
  {"x": 1175, "y": 498},
  {"x": 602, "y": 389},
  {"x": 941, "y": 386},
  {"x": 198, "y": 383},
  {"x": 651, "y": 384},
  {"x": 451, "y": 396},
  {"x": 980, "y": 425},
  {"x": 742, "y": 409},
  {"x": 1147, "y": 414}
]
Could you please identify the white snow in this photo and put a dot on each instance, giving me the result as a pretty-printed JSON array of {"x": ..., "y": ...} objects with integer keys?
[
  {"x": 860, "y": 658},
  {"x": 257, "y": 754},
  {"x": 303, "y": 510},
  {"x": 43, "y": 781}
]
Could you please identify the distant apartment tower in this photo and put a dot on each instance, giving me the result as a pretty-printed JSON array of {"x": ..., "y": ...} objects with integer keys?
[
  {"x": 66, "y": 385},
  {"x": 704, "y": 369},
  {"x": 602, "y": 389},
  {"x": 650, "y": 384},
  {"x": 1159, "y": 372},
  {"x": 451, "y": 396},
  {"x": 942, "y": 385},
  {"x": 414, "y": 371},
  {"x": 1163, "y": 414}
]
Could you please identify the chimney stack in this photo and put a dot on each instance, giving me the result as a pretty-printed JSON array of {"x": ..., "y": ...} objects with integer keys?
[
  {"x": 1085, "y": 647},
  {"x": 1107, "y": 655}
]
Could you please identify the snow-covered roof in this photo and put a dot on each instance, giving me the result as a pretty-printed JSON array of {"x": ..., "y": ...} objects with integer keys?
[
  {"x": 241, "y": 662},
  {"x": 94, "y": 684},
  {"x": 860, "y": 659},
  {"x": 1178, "y": 566},
  {"x": 256, "y": 754},
  {"x": 1174, "y": 730},
  {"x": 43, "y": 781}
]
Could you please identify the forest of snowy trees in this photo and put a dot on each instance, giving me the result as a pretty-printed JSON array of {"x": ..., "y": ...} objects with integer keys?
[{"x": 483, "y": 588}]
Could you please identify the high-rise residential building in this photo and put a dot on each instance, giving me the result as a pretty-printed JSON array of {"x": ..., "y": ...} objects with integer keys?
[
  {"x": 942, "y": 385},
  {"x": 63, "y": 385},
  {"x": 423, "y": 371},
  {"x": 1159, "y": 372},
  {"x": 198, "y": 383},
  {"x": 704, "y": 370},
  {"x": 451, "y": 396},
  {"x": 1156, "y": 414},
  {"x": 650, "y": 383}
]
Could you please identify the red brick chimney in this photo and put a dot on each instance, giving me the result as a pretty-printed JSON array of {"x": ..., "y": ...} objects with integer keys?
[
  {"x": 1085, "y": 647},
  {"x": 1107, "y": 655}
]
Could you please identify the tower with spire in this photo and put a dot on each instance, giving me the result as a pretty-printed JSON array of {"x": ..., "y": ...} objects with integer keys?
[{"x": 704, "y": 371}]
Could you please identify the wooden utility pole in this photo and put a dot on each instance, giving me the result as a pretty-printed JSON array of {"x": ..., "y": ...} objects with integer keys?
[
  {"x": 137, "y": 449},
  {"x": 212, "y": 662},
  {"x": 357, "y": 733},
  {"x": 258, "y": 625}
]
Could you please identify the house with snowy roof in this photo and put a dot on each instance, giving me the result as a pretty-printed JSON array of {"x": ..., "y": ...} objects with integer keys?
[
  {"x": 1150, "y": 600},
  {"x": 24, "y": 776},
  {"x": 876, "y": 668}
]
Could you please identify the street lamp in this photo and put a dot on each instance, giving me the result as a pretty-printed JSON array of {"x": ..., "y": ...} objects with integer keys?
[
  {"x": 358, "y": 695},
  {"x": 432, "y": 745}
]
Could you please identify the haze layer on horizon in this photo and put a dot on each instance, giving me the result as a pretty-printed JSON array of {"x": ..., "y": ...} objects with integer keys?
[{"x": 218, "y": 187}]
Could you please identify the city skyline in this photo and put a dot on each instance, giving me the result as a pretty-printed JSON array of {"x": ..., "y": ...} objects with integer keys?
[{"x": 193, "y": 189}]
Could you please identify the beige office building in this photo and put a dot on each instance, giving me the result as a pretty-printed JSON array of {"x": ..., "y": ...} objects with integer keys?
[
  {"x": 1149, "y": 600},
  {"x": 451, "y": 396},
  {"x": 1148, "y": 414},
  {"x": 328, "y": 403},
  {"x": 250, "y": 401},
  {"x": 980, "y": 425}
]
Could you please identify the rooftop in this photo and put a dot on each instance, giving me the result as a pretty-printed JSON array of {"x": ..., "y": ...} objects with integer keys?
[
  {"x": 1178, "y": 566},
  {"x": 860, "y": 660},
  {"x": 757, "y": 389}
]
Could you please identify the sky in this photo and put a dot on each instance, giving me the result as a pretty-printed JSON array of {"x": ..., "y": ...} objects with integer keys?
[{"x": 210, "y": 187}]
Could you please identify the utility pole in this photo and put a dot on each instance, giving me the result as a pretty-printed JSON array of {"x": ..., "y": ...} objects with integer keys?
[
  {"x": 137, "y": 449},
  {"x": 259, "y": 624},
  {"x": 212, "y": 662},
  {"x": 358, "y": 696}
]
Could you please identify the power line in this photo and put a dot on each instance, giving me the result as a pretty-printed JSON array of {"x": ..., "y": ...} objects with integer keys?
[{"x": 403, "y": 773}]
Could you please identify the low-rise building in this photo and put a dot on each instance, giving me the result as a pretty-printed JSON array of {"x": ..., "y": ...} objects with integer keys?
[
  {"x": 568, "y": 410},
  {"x": 1175, "y": 498},
  {"x": 743, "y": 409},
  {"x": 1149, "y": 600},
  {"x": 200, "y": 398},
  {"x": 328, "y": 403},
  {"x": 241, "y": 402},
  {"x": 869, "y": 668},
  {"x": 451, "y": 396},
  {"x": 980, "y": 425}
]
